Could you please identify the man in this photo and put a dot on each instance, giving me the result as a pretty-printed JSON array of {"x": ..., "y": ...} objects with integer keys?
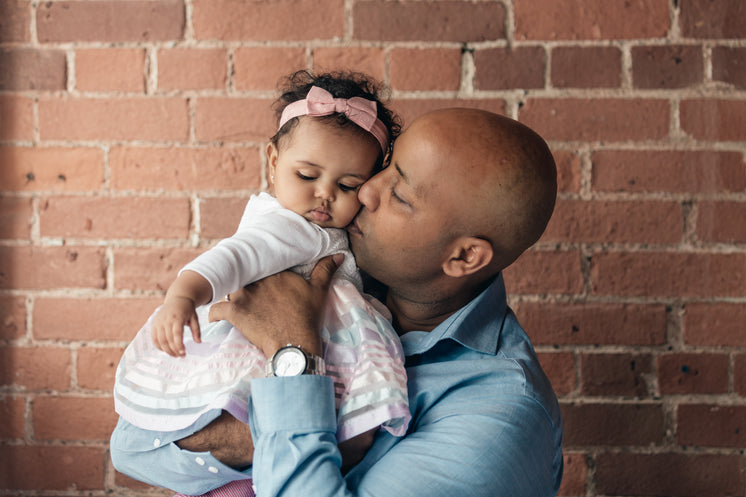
[{"x": 466, "y": 193}]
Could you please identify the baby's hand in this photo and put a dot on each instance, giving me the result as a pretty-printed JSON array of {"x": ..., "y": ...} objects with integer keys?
[{"x": 169, "y": 322}]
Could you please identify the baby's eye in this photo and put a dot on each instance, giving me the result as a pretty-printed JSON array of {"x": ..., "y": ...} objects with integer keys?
[
  {"x": 305, "y": 177},
  {"x": 348, "y": 188}
]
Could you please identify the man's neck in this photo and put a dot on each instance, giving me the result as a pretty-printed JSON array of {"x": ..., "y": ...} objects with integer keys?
[{"x": 413, "y": 315}]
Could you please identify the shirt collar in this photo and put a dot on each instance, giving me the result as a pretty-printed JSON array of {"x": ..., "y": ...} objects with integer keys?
[{"x": 468, "y": 326}]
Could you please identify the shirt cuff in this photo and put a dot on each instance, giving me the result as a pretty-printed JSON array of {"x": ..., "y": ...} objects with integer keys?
[{"x": 300, "y": 404}]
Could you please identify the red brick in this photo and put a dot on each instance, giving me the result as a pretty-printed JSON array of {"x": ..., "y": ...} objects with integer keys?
[
  {"x": 149, "y": 269},
  {"x": 669, "y": 474},
  {"x": 275, "y": 62},
  {"x": 97, "y": 367},
  {"x": 51, "y": 169},
  {"x": 409, "y": 109},
  {"x": 721, "y": 222},
  {"x": 691, "y": 171},
  {"x": 16, "y": 217},
  {"x": 575, "y": 474},
  {"x": 192, "y": 68},
  {"x": 52, "y": 467},
  {"x": 121, "y": 480},
  {"x": 13, "y": 312},
  {"x": 234, "y": 119},
  {"x": 612, "y": 424},
  {"x": 367, "y": 60},
  {"x": 609, "y": 221},
  {"x": 429, "y": 21},
  {"x": 593, "y": 324},
  {"x": 507, "y": 68},
  {"x": 110, "y": 69},
  {"x": 689, "y": 373},
  {"x": 219, "y": 217},
  {"x": 124, "y": 217},
  {"x": 721, "y": 120},
  {"x": 711, "y": 425},
  {"x": 110, "y": 20},
  {"x": 30, "y": 69},
  {"x": 590, "y": 19},
  {"x": 576, "y": 119},
  {"x": 568, "y": 170},
  {"x": 35, "y": 368},
  {"x": 668, "y": 274},
  {"x": 666, "y": 67},
  {"x": 150, "y": 119},
  {"x": 73, "y": 418},
  {"x": 13, "y": 414},
  {"x": 15, "y": 21},
  {"x": 536, "y": 272},
  {"x": 281, "y": 20},
  {"x": 713, "y": 19},
  {"x": 560, "y": 368},
  {"x": 714, "y": 324},
  {"x": 586, "y": 67},
  {"x": 18, "y": 118},
  {"x": 52, "y": 267},
  {"x": 739, "y": 375},
  {"x": 180, "y": 169},
  {"x": 729, "y": 65},
  {"x": 425, "y": 69},
  {"x": 98, "y": 319},
  {"x": 622, "y": 375}
]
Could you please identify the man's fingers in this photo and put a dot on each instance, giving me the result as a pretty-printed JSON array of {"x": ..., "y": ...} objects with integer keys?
[{"x": 322, "y": 273}]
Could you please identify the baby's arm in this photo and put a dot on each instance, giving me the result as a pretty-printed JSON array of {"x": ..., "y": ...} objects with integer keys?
[{"x": 189, "y": 291}]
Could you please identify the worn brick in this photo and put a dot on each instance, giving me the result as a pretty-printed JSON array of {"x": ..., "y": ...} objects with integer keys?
[
  {"x": 149, "y": 268},
  {"x": 668, "y": 274},
  {"x": 13, "y": 414},
  {"x": 367, "y": 60},
  {"x": 16, "y": 217},
  {"x": 31, "y": 69},
  {"x": 150, "y": 119},
  {"x": 185, "y": 169},
  {"x": 110, "y": 69},
  {"x": 721, "y": 222},
  {"x": 590, "y": 19},
  {"x": 18, "y": 118},
  {"x": 574, "y": 475},
  {"x": 429, "y": 21},
  {"x": 593, "y": 324},
  {"x": 262, "y": 68},
  {"x": 739, "y": 374},
  {"x": 690, "y": 373},
  {"x": 568, "y": 170},
  {"x": 52, "y": 267},
  {"x": 219, "y": 217},
  {"x": 586, "y": 67},
  {"x": 578, "y": 119},
  {"x": 535, "y": 272},
  {"x": 721, "y": 120},
  {"x": 234, "y": 119},
  {"x": 110, "y": 20},
  {"x": 614, "y": 374},
  {"x": 13, "y": 315},
  {"x": 669, "y": 474},
  {"x": 97, "y": 366},
  {"x": 507, "y": 68},
  {"x": 58, "y": 467},
  {"x": 668, "y": 171},
  {"x": 409, "y": 109},
  {"x": 560, "y": 369},
  {"x": 729, "y": 65},
  {"x": 668, "y": 66},
  {"x": 425, "y": 68},
  {"x": 35, "y": 368},
  {"x": 711, "y": 425},
  {"x": 107, "y": 218},
  {"x": 73, "y": 418},
  {"x": 715, "y": 324},
  {"x": 608, "y": 221},
  {"x": 282, "y": 20},
  {"x": 73, "y": 169},
  {"x": 601, "y": 424},
  {"x": 99, "y": 319},
  {"x": 15, "y": 21},
  {"x": 192, "y": 68},
  {"x": 713, "y": 19}
]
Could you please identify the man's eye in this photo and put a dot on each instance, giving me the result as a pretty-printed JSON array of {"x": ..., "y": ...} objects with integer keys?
[{"x": 398, "y": 198}]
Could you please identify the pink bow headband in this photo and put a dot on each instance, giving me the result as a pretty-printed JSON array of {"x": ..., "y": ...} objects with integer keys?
[{"x": 359, "y": 110}]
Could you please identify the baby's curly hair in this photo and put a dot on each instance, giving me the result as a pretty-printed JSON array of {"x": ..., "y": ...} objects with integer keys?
[{"x": 341, "y": 85}]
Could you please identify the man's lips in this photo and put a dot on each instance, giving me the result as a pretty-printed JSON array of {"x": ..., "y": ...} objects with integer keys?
[{"x": 353, "y": 228}]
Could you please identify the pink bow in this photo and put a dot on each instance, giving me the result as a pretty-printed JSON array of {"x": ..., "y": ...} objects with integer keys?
[{"x": 361, "y": 111}]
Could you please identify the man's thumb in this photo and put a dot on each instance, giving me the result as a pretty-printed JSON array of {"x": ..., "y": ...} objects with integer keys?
[{"x": 324, "y": 270}]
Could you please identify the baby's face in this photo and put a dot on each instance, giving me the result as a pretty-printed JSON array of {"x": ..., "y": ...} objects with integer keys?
[{"x": 318, "y": 168}]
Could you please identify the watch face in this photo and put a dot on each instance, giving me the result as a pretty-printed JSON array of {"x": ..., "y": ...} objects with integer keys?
[{"x": 289, "y": 361}]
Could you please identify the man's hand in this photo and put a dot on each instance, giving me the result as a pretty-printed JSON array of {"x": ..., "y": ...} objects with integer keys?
[{"x": 281, "y": 309}]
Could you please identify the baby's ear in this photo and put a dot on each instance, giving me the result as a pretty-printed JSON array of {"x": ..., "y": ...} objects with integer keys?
[
  {"x": 468, "y": 255},
  {"x": 271, "y": 152}
]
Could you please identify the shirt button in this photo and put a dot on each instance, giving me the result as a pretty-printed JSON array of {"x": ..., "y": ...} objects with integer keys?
[
  {"x": 200, "y": 461},
  {"x": 157, "y": 443},
  {"x": 212, "y": 469}
]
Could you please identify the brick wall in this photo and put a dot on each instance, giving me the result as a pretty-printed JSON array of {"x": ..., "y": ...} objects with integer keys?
[{"x": 131, "y": 133}]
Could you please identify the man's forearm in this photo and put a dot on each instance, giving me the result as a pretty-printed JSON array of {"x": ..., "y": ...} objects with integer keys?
[{"x": 226, "y": 438}]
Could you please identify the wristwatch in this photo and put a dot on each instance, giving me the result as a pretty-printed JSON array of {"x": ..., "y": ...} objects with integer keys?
[{"x": 292, "y": 360}]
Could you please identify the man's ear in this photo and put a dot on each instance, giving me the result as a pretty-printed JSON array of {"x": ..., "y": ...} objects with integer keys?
[
  {"x": 271, "y": 151},
  {"x": 469, "y": 255}
]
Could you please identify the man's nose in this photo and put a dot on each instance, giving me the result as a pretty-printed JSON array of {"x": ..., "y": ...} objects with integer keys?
[{"x": 368, "y": 194}]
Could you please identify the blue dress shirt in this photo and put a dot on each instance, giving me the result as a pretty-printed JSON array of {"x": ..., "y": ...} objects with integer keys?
[{"x": 485, "y": 423}]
